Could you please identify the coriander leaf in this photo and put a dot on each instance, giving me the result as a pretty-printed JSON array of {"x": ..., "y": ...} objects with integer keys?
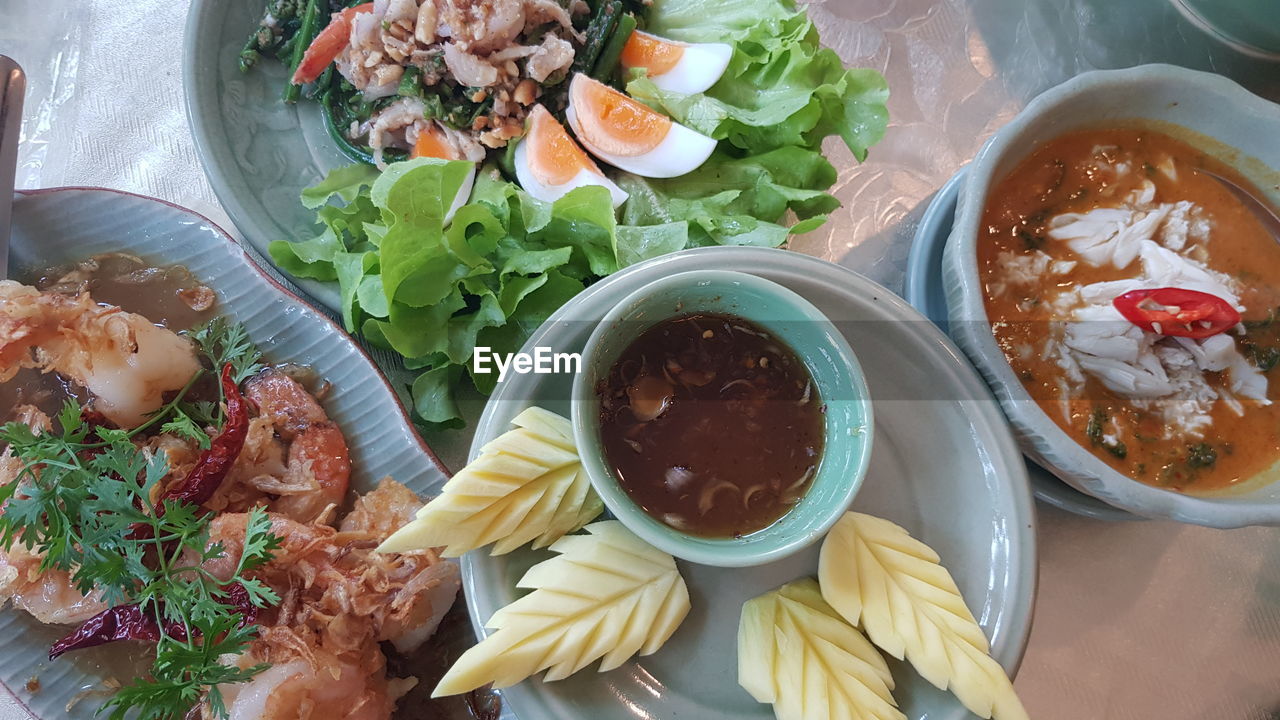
[
  {"x": 86, "y": 506},
  {"x": 223, "y": 341},
  {"x": 259, "y": 542},
  {"x": 185, "y": 426}
]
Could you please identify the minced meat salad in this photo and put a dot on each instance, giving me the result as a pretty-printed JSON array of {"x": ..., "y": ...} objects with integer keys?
[{"x": 461, "y": 73}]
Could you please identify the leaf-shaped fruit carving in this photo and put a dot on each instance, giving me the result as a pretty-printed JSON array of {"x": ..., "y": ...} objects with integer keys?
[
  {"x": 527, "y": 485},
  {"x": 892, "y": 586},
  {"x": 794, "y": 651},
  {"x": 608, "y": 595}
]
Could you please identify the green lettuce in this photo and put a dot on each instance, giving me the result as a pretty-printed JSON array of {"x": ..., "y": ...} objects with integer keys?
[
  {"x": 432, "y": 292},
  {"x": 782, "y": 88},
  {"x": 737, "y": 200}
]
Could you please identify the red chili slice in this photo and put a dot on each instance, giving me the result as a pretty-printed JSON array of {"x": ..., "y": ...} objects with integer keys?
[{"x": 1178, "y": 312}]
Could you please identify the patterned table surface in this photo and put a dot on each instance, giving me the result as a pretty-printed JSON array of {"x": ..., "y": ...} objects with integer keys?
[{"x": 1133, "y": 620}]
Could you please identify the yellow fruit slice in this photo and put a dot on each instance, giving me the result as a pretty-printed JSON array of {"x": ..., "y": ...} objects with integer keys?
[
  {"x": 892, "y": 586},
  {"x": 607, "y": 596},
  {"x": 795, "y": 652},
  {"x": 526, "y": 486}
]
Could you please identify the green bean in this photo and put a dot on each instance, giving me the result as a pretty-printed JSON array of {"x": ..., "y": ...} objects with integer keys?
[
  {"x": 612, "y": 52},
  {"x": 410, "y": 83},
  {"x": 323, "y": 82},
  {"x": 260, "y": 40},
  {"x": 249, "y": 54},
  {"x": 283, "y": 9},
  {"x": 338, "y": 135},
  {"x": 597, "y": 33},
  {"x": 306, "y": 33}
]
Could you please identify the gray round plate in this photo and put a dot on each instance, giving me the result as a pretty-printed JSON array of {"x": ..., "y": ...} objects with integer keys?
[
  {"x": 944, "y": 466},
  {"x": 258, "y": 152}
]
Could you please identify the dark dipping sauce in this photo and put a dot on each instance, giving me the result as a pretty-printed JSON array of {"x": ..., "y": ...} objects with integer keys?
[{"x": 712, "y": 425}]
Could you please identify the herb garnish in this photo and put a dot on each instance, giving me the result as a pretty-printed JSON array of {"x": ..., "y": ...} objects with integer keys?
[
  {"x": 1201, "y": 455},
  {"x": 84, "y": 500},
  {"x": 1094, "y": 431},
  {"x": 223, "y": 341}
]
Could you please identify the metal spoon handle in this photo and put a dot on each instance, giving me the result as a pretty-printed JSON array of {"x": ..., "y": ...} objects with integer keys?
[{"x": 13, "y": 85}]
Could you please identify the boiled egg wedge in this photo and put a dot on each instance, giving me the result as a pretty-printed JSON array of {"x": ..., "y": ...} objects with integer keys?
[
  {"x": 630, "y": 135},
  {"x": 549, "y": 163},
  {"x": 675, "y": 66},
  {"x": 432, "y": 142}
]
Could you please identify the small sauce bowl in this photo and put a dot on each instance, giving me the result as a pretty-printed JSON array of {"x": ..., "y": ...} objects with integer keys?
[{"x": 826, "y": 354}]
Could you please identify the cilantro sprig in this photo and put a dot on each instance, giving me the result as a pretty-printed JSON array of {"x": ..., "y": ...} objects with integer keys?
[
  {"x": 84, "y": 501},
  {"x": 223, "y": 341}
]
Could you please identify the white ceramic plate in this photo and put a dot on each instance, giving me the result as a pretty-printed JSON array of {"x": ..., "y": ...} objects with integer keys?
[
  {"x": 944, "y": 466},
  {"x": 66, "y": 225}
]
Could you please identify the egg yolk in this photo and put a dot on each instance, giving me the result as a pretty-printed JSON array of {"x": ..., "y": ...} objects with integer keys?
[
  {"x": 431, "y": 143},
  {"x": 613, "y": 122},
  {"x": 553, "y": 156},
  {"x": 651, "y": 53}
]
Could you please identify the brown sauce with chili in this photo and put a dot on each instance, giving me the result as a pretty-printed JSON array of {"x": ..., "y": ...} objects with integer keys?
[
  {"x": 1065, "y": 175},
  {"x": 712, "y": 425}
]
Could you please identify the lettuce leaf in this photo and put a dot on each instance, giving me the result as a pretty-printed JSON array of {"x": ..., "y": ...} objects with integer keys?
[
  {"x": 782, "y": 88},
  {"x": 737, "y": 200}
]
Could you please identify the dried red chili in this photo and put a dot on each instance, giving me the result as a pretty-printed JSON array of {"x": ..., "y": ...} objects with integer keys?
[
  {"x": 1177, "y": 312},
  {"x": 123, "y": 622},
  {"x": 131, "y": 622},
  {"x": 238, "y": 598},
  {"x": 213, "y": 465}
]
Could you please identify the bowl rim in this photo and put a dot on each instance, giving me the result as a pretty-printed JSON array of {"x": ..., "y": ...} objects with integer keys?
[
  {"x": 1039, "y": 436},
  {"x": 237, "y": 248},
  {"x": 722, "y": 552}
]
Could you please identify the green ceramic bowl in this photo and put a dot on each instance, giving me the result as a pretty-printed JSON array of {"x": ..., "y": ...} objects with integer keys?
[{"x": 836, "y": 374}]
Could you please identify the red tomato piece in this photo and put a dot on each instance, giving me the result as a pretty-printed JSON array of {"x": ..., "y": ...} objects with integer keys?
[{"x": 327, "y": 45}]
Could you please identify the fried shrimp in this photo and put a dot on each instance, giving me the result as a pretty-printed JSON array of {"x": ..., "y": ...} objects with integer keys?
[
  {"x": 49, "y": 595},
  {"x": 125, "y": 362},
  {"x": 317, "y": 465},
  {"x": 308, "y": 683},
  {"x": 339, "y": 599},
  {"x": 334, "y": 588}
]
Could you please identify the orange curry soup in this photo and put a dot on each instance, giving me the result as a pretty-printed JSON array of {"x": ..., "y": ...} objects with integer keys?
[{"x": 1230, "y": 440}]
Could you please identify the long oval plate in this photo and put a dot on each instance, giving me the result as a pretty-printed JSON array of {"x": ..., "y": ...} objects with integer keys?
[{"x": 52, "y": 227}]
